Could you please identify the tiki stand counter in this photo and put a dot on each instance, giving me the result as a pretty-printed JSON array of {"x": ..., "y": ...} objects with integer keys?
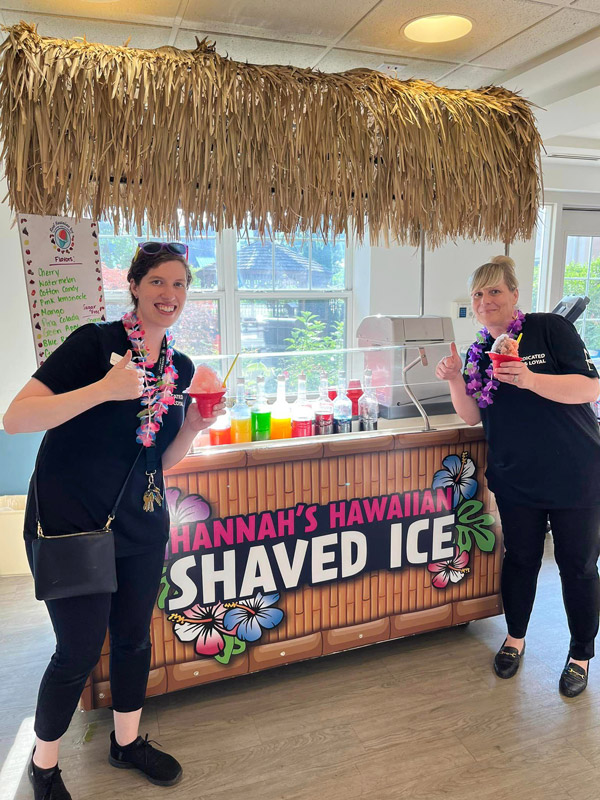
[{"x": 291, "y": 550}]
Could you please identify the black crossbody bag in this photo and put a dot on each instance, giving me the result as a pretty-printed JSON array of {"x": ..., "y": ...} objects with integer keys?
[{"x": 74, "y": 564}]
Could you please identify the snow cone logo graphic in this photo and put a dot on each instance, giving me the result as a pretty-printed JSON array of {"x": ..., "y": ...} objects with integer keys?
[{"x": 62, "y": 237}]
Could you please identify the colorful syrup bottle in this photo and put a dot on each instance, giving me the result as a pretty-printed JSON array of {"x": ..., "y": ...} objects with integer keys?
[
  {"x": 368, "y": 407},
  {"x": 241, "y": 425},
  {"x": 323, "y": 408},
  {"x": 220, "y": 432},
  {"x": 354, "y": 393},
  {"x": 261, "y": 413},
  {"x": 281, "y": 413},
  {"x": 302, "y": 413},
  {"x": 342, "y": 408}
]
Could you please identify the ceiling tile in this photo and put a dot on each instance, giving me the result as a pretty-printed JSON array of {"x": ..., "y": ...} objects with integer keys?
[
  {"x": 312, "y": 21},
  {"x": 158, "y": 12},
  {"x": 113, "y": 33},
  {"x": 469, "y": 77},
  {"x": 341, "y": 60},
  {"x": 493, "y": 23},
  {"x": 587, "y": 5},
  {"x": 561, "y": 27},
  {"x": 254, "y": 51}
]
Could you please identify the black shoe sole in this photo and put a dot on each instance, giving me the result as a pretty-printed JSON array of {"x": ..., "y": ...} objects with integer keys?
[{"x": 125, "y": 765}]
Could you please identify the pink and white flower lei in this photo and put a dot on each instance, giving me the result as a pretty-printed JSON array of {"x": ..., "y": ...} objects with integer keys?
[{"x": 158, "y": 392}]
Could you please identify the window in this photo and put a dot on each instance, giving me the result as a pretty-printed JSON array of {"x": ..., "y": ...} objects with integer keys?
[
  {"x": 582, "y": 277},
  {"x": 248, "y": 295},
  {"x": 198, "y": 330}
]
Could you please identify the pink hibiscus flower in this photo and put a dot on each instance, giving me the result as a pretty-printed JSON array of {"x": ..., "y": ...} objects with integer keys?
[
  {"x": 452, "y": 570},
  {"x": 205, "y": 625}
]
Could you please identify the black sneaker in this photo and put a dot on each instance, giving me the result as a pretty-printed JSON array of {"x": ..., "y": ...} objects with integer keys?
[
  {"x": 47, "y": 783},
  {"x": 573, "y": 679},
  {"x": 160, "y": 768},
  {"x": 507, "y": 661}
]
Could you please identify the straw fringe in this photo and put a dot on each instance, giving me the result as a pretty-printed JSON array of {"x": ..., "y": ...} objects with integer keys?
[{"x": 119, "y": 133}]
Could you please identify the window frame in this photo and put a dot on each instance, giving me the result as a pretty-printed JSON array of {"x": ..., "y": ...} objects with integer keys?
[{"x": 229, "y": 296}]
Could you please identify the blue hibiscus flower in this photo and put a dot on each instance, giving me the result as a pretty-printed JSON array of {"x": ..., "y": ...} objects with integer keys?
[
  {"x": 251, "y": 616},
  {"x": 458, "y": 473}
]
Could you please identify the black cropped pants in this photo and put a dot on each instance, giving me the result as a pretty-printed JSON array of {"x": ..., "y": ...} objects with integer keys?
[
  {"x": 576, "y": 535},
  {"x": 80, "y": 627}
]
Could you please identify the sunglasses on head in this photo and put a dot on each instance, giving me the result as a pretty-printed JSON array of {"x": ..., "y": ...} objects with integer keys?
[{"x": 154, "y": 248}]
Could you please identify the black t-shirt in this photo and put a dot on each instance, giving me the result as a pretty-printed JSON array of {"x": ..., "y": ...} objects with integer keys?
[
  {"x": 542, "y": 453},
  {"x": 84, "y": 461}
]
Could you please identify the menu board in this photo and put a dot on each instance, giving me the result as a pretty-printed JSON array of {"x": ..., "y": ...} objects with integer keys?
[{"x": 61, "y": 257}]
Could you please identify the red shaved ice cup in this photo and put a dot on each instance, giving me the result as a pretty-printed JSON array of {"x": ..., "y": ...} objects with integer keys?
[
  {"x": 206, "y": 401},
  {"x": 500, "y": 358}
]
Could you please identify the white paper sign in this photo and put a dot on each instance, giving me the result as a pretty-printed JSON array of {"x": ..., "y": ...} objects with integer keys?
[{"x": 63, "y": 275}]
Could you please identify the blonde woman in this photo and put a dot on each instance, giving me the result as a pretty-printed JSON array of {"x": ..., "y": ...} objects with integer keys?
[{"x": 543, "y": 459}]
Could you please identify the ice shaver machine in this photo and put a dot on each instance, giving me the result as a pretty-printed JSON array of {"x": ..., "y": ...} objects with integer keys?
[{"x": 404, "y": 377}]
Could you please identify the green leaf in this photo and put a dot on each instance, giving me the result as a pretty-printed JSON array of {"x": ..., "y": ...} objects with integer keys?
[
  {"x": 473, "y": 523},
  {"x": 484, "y": 538},
  {"x": 164, "y": 583},
  {"x": 463, "y": 539},
  {"x": 233, "y": 646}
]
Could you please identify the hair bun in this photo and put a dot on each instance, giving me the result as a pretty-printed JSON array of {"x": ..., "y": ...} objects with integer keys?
[{"x": 505, "y": 261}]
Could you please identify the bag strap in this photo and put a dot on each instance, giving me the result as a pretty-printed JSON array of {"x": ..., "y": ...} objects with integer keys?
[{"x": 113, "y": 512}]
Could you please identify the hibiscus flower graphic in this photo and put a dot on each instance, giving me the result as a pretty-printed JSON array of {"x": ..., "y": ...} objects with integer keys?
[
  {"x": 452, "y": 570},
  {"x": 457, "y": 473},
  {"x": 251, "y": 616},
  {"x": 205, "y": 624},
  {"x": 186, "y": 509}
]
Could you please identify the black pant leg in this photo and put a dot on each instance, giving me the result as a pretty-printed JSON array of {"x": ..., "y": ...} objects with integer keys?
[
  {"x": 129, "y": 626},
  {"x": 576, "y": 534},
  {"x": 524, "y": 529},
  {"x": 80, "y": 627}
]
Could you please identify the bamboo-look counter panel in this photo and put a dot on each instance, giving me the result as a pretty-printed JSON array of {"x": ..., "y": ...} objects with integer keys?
[{"x": 317, "y": 620}]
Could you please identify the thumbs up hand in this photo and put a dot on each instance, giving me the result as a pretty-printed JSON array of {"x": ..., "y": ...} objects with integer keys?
[
  {"x": 450, "y": 367},
  {"x": 121, "y": 383}
]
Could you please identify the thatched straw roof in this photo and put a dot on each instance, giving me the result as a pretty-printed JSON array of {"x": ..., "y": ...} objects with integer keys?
[{"x": 116, "y": 132}]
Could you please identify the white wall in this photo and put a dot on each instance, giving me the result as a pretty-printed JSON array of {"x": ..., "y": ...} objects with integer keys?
[
  {"x": 395, "y": 278},
  {"x": 17, "y": 350}
]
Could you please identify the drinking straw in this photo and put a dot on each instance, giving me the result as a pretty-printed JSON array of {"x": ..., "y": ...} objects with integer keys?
[
  {"x": 518, "y": 340},
  {"x": 230, "y": 368}
]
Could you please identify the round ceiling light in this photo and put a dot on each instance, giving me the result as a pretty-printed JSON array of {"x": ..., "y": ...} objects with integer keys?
[{"x": 437, "y": 28}]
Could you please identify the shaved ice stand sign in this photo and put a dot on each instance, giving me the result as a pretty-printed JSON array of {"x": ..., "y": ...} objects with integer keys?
[
  {"x": 293, "y": 550},
  {"x": 63, "y": 276}
]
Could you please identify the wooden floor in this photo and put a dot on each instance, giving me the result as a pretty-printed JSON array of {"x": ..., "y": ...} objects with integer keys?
[{"x": 423, "y": 717}]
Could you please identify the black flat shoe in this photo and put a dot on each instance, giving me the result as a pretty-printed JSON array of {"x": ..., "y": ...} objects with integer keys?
[
  {"x": 47, "y": 783},
  {"x": 160, "y": 768},
  {"x": 507, "y": 660},
  {"x": 573, "y": 679}
]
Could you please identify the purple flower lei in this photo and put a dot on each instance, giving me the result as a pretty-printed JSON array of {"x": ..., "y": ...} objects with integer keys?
[
  {"x": 158, "y": 393},
  {"x": 476, "y": 386}
]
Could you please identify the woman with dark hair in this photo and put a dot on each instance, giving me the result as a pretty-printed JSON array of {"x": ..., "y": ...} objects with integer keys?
[
  {"x": 543, "y": 459},
  {"x": 88, "y": 396}
]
